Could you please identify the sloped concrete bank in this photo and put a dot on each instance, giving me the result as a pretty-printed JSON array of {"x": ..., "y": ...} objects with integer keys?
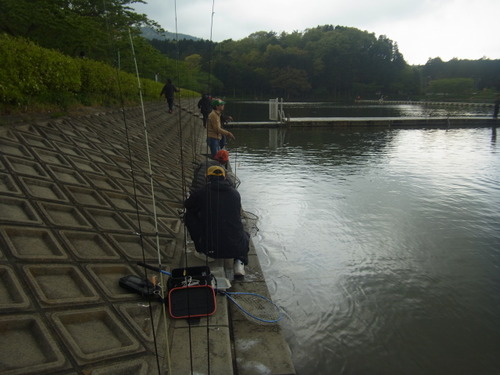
[{"x": 74, "y": 195}]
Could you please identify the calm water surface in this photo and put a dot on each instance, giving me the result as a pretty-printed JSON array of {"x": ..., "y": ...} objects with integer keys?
[{"x": 382, "y": 246}]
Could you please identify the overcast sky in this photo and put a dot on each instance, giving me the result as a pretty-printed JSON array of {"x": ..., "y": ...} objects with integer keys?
[{"x": 423, "y": 29}]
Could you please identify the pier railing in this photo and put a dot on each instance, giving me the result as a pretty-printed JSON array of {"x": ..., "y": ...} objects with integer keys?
[{"x": 276, "y": 112}]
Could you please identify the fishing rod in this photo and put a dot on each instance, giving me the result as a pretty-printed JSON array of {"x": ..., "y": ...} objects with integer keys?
[{"x": 155, "y": 217}]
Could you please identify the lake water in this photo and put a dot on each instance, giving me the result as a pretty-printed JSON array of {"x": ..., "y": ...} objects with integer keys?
[{"x": 381, "y": 245}]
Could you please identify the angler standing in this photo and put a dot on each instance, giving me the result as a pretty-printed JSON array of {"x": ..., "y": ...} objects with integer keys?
[
  {"x": 168, "y": 90},
  {"x": 214, "y": 127}
]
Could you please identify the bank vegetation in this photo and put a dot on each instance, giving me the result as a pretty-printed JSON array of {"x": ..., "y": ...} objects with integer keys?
[{"x": 72, "y": 52}]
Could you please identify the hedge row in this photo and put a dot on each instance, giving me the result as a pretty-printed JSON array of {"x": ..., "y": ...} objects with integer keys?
[{"x": 31, "y": 74}]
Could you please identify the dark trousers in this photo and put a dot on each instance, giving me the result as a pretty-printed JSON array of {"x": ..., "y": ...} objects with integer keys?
[{"x": 170, "y": 102}]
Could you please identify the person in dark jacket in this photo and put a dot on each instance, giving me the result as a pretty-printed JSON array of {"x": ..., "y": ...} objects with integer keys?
[
  {"x": 205, "y": 106},
  {"x": 168, "y": 90},
  {"x": 213, "y": 219}
]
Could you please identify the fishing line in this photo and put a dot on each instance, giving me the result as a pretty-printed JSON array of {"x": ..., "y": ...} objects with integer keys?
[
  {"x": 155, "y": 217},
  {"x": 184, "y": 192},
  {"x": 127, "y": 138}
]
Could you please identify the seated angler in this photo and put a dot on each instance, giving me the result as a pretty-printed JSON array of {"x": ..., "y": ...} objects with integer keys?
[
  {"x": 220, "y": 159},
  {"x": 213, "y": 219}
]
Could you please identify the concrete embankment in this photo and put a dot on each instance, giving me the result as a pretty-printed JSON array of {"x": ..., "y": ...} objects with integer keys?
[{"x": 77, "y": 214}]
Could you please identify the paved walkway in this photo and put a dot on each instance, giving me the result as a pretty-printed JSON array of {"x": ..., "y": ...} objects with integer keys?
[{"x": 71, "y": 208}]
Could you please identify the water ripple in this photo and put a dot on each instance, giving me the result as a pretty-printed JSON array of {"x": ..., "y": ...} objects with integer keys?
[{"x": 381, "y": 247}]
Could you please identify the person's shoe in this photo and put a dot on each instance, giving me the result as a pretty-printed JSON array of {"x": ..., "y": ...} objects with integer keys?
[
  {"x": 203, "y": 257},
  {"x": 238, "y": 268}
]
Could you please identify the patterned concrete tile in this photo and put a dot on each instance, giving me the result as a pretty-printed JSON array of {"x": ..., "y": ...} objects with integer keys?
[
  {"x": 28, "y": 347},
  {"x": 95, "y": 334}
]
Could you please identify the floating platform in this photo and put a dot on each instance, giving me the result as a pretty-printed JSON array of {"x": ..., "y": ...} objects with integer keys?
[{"x": 396, "y": 122}]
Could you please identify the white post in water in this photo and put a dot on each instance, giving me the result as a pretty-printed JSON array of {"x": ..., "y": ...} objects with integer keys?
[
  {"x": 281, "y": 111},
  {"x": 273, "y": 109}
]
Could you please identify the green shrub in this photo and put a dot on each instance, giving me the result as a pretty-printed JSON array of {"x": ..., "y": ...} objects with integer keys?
[{"x": 32, "y": 75}]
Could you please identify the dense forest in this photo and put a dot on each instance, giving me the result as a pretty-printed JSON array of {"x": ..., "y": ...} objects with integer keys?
[
  {"x": 321, "y": 63},
  {"x": 334, "y": 63}
]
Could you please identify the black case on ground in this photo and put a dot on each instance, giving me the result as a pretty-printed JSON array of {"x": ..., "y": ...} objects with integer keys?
[
  {"x": 140, "y": 286},
  {"x": 190, "y": 293}
]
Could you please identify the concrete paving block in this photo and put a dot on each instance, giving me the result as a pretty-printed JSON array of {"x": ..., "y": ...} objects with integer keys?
[
  {"x": 107, "y": 277},
  {"x": 12, "y": 296},
  {"x": 51, "y": 157},
  {"x": 168, "y": 246},
  {"x": 207, "y": 349},
  {"x": 68, "y": 149},
  {"x": 43, "y": 189},
  {"x": 28, "y": 347},
  {"x": 123, "y": 202},
  {"x": 13, "y": 148},
  {"x": 260, "y": 350},
  {"x": 17, "y": 210},
  {"x": 171, "y": 223},
  {"x": 97, "y": 156},
  {"x": 67, "y": 175},
  {"x": 35, "y": 140},
  {"x": 86, "y": 196},
  {"x": 142, "y": 176},
  {"x": 115, "y": 172},
  {"x": 109, "y": 220},
  {"x": 160, "y": 208},
  {"x": 59, "y": 285},
  {"x": 26, "y": 167},
  {"x": 172, "y": 182},
  {"x": 52, "y": 134},
  {"x": 139, "y": 317},
  {"x": 132, "y": 248},
  {"x": 28, "y": 129},
  {"x": 82, "y": 143},
  {"x": 120, "y": 161},
  {"x": 136, "y": 189},
  {"x": 32, "y": 243},
  {"x": 66, "y": 128},
  {"x": 148, "y": 224},
  {"x": 88, "y": 245},
  {"x": 95, "y": 334},
  {"x": 169, "y": 197},
  {"x": 110, "y": 151},
  {"x": 84, "y": 165},
  {"x": 102, "y": 182},
  {"x": 145, "y": 366},
  {"x": 8, "y": 185},
  {"x": 64, "y": 215}
]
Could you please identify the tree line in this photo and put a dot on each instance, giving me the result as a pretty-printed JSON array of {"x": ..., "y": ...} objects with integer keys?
[
  {"x": 333, "y": 63},
  {"x": 321, "y": 63},
  {"x": 102, "y": 30}
]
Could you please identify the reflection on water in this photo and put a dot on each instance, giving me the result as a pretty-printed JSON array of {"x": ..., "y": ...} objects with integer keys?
[{"x": 382, "y": 246}]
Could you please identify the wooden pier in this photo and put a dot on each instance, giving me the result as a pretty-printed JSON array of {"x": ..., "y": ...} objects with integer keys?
[{"x": 389, "y": 122}]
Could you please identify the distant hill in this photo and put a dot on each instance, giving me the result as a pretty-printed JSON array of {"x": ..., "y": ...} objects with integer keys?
[{"x": 150, "y": 34}]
